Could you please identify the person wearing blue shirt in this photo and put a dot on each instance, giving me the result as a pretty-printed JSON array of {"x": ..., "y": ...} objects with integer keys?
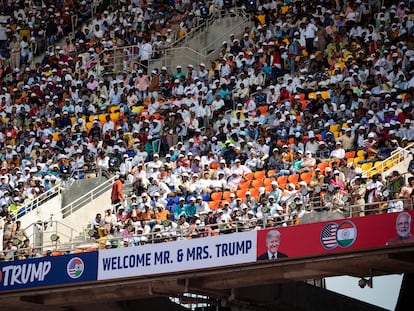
[
  {"x": 179, "y": 208},
  {"x": 260, "y": 97},
  {"x": 191, "y": 208},
  {"x": 115, "y": 97}
]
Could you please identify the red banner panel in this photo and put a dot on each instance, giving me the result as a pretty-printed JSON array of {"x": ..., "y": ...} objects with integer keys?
[{"x": 335, "y": 236}]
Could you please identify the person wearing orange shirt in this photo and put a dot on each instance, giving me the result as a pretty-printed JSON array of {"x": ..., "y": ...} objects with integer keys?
[
  {"x": 146, "y": 214},
  {"x": 117, "y": 195},
  {"x": 161, "y": 214}
]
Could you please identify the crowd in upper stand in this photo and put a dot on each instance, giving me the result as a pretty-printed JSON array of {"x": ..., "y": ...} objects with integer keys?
[{"x": 312, "y": 95}]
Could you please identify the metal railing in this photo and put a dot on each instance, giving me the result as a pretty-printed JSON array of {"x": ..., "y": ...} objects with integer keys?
[
  {"x": 237, "y": 29},
  {"x": 50, "y": 233},
  {"x": 126, "y": 58},
  {"x": 87, "y": 197},
  {"x": 206, "y": 23},
  {"x": 396, "y": 158},
  {"x": 86, "y": 173},
  {"x": 54, "y": 191},
  {"x": 201, "y": 25},
  {"x": 89, "y": 243},
  {"x": 37, "y": 201}
]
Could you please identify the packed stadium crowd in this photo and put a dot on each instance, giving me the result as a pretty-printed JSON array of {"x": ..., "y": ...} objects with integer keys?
[{"x": 284, "y": 122}]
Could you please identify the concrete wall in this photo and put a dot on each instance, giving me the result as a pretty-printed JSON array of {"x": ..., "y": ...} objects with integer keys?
[
  {"x": 69, "y": 227},
  {"x": 83, "y": 216},
  {"x": 79, "y": 188},
  {"x": 44, "y": 212}
]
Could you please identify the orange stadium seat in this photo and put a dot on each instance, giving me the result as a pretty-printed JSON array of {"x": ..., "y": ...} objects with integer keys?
[
  {"x": 268, "y": 181},
  {"x": 249, "y": 176},
  {"x": 244, "y": 185},
  {"x": 270, "y": 173},
  {"x": 112, "y": 109},
  {"x": 102, "y": 117},
  {"x": 366, "y": 166},
  {"x": 357, "y": 159},
  {"x": 226, "y": 195},
  {"x": 257, "y": 183},
  {"x": 360, "y": 154},
  {"x": 322, "y": 166},
  {"x": 213, "y": 204},
  {"x": 294, "y": 178},
  {"x": 254, "y": 193},
  {"x": 306, "y": 177},
  {"x": 241, "y": 193},
  {"x": 282, "y": 181},
  {"x": 216, "y": 196},
  {"x": 260, "y": 175},
  {"x": 350, "y": 154}
]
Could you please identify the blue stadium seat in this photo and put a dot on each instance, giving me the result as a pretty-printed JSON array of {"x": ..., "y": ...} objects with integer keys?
[{"x": 206, "y": 197}]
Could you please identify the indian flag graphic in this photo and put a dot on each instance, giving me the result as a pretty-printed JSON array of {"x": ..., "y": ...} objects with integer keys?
[{"x": 346, "y": 234}]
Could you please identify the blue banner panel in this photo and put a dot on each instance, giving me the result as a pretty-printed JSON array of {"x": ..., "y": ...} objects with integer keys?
[{"x": 47, "y": 271}]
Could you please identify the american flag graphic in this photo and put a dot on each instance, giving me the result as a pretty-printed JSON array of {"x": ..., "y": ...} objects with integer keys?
[{"x": 328, "y": 236}]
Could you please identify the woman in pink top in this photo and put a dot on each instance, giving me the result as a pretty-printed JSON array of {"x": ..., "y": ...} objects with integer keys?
[
  {"x": 141, "y": 85},
  {"x": 336, "y": 181}
]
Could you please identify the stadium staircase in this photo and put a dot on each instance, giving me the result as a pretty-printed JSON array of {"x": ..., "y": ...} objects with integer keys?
[
  {"x": 398, "y": 161},
  {"x": 69, "y": 219},
  {"x": 199, "y": 45}
]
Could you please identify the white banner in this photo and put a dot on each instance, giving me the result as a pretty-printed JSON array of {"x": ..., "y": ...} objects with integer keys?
[{"x": 177, "y": 256}]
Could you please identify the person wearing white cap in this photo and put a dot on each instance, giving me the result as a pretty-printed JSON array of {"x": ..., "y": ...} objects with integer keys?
[
  {"x": 407, "y": 131},
  {"x": 141, "y": 85},
  {"x": 179, "y": 73},
  {"x": 347, "y": 139},
  {"x": 369, "y": 141},
  {"x": 294, "y": 50},
  {"x": 272, "y": 96},
  {"x": 159, "y": 196},
  {"x": 338, "y": 152},
  {"x": 222, "y": 168},
  {"x": 202, "y": 206},
  {"x": 153, "y": 105},
  {"x": 237, "y": 172},
  {"x": 254, "y": 163},
  {"x": 179, "y": 208},
  {"x": 374, "y": 188},
  {"x": 155, "y": 163},
  {"x": 202, "y": 73},
  {"x": 312, "y": 145},
  {"x": 308, "y": 163},
  {"x": 276, "y": 192}
]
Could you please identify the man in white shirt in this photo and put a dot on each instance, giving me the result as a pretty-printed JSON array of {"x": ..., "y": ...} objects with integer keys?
[
  {"x": 145, "y": 52},
  {"x": 109, "y": 125},
  {"x": 338, "y": 152},
  {"x": 217, "y": 104},
  {"x": 249, "y": 105},
  {"x": 310, "y": 34}
]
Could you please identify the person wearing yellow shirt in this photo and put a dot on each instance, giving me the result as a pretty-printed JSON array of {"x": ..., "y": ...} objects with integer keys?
[{"x": 24, "y": 32}]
